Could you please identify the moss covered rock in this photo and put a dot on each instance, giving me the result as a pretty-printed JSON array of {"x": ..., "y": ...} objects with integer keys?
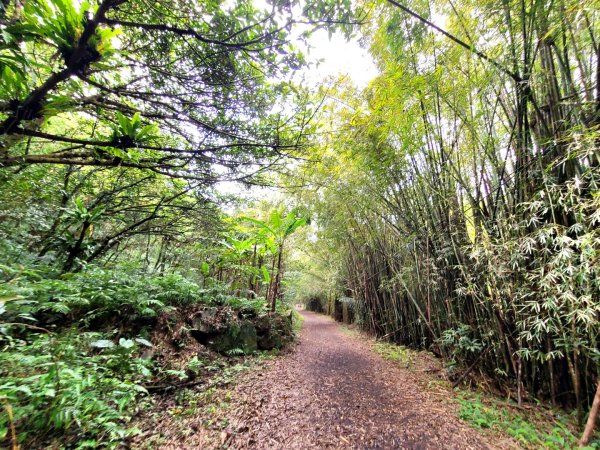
[
  {"x": 227, "y": 332},
  {"x": 274, "y": 331}
]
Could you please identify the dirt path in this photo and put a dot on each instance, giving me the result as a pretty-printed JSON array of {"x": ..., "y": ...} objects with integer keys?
[{"x": 332, "y": 391}]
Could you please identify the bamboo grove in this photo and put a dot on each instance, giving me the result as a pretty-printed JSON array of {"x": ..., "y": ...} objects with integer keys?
[{"x": 457, "y": 195}]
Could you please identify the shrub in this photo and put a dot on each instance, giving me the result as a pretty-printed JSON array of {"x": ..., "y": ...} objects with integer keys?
[
  {"x": 75, "y": 386},
  {"x": 93, "y": 296}
]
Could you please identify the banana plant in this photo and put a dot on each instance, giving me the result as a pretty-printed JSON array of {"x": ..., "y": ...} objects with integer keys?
[
  {"x": 83, "y": 219},
  {"x": 243, "y": 246},
  {"x": 277, "y": 229}
]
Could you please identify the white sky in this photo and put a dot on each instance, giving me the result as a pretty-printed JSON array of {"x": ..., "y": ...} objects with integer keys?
[
  {"x": 327, "y": 57},
  {"x": 338, "y": 58}
]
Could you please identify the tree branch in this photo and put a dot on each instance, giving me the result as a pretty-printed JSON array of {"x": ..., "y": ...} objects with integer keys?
[{"x": 515, "y": 76}]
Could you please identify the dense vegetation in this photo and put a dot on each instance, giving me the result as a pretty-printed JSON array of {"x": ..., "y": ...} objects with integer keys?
[
  {"x": 454, "y": 201},
  {"x": 117, "y": 120}
]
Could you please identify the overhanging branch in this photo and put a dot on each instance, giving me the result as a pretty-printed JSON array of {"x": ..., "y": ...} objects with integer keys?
[{"x": 515, "y": 76}]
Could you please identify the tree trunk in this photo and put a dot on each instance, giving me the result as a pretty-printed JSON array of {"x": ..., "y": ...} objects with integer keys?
[
  {"x": 277, "y": 279},
  {"x": 252, "y": 279},
  {"x": 591, "y": 422},
  {"x": 75, "y": 251}
]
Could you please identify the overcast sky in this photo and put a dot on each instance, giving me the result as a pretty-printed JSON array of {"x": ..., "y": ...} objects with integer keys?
[
  {"x": 339, "y": 57},
  {"x": 327, "y": 57}
]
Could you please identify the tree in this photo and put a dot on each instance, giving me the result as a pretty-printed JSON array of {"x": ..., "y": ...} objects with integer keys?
[
  {"x": 278, "y": 228},
  {"x": 185, "y": 89},
  {"x": 459, "y": 190}
]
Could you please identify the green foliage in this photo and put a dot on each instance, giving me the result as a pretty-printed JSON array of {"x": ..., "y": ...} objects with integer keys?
[
  {"x": 257, "y": 306},
  {"x": 297, "y": 321},
  {"x": 274, "y": 233},
  {"x": 91, "y": 297},
  {"x": 459, "y": 343},
  {"x": 81, "y": 387},
  {"x": 279, "y": 227},
  {"x": 529, "y": 430},
  {"x": 71, "y": 387},
  {"x": 458, "y": 207},
  {"x": 80, "y": 214},
  {"x": 67, "y": 74},
  {"x": 57, "y": 21},
  {"x": 116, "y": 122},
  {"x": 394, "y": 352},
  {"x": 459, "y": 214},
  {"x": 235, "y": 352}
]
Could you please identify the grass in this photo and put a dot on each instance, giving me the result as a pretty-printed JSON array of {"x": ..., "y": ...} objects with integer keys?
[
  {"x": 393, "y": 352},
  {"x": 349, "y": 330},
  {"x": 533, "y": 428},
  {"x": 297, "y": 322}
]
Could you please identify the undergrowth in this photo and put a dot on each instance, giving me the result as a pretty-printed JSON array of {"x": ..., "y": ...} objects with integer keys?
[
  {"x": 91, "y": 297},
  {"x": 205, "y": 406},
  {"x": 394, "y": 352},
  {"x": 533, "y": 428},
  {"x": 75, "y": 351},
  {"x": 297, "y": 322},
  {"x": 75, "y": 386}
]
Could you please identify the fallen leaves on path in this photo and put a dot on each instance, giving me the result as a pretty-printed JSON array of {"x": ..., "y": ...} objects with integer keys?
[{"x": 332, "y": 391}]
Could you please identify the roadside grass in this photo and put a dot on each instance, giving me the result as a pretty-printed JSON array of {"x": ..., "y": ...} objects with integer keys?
[
  {"x": 532, "y": 426},
  {"x": 297, "y": 322},
  {"x": 350, "y": 330},
  {"x": 396, "y": 353}
]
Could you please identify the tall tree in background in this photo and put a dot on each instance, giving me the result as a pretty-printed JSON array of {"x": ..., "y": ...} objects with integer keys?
[{"x": 104, "y": 101}]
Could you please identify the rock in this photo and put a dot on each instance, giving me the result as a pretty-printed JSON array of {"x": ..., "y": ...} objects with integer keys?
[
  {"x": 262, "y": 323},
  {"x": 205, "y": 321},
  {"x": 237, "y": 336},
  {"x": 222, "y": 342},
  {"x": 223, "y": 330},
  {"x": 247, "y": 312},
  {"x": 247, "y": 337},
  {"x": 269, "y": 341},
  {"x": 273, "y": 330}
]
